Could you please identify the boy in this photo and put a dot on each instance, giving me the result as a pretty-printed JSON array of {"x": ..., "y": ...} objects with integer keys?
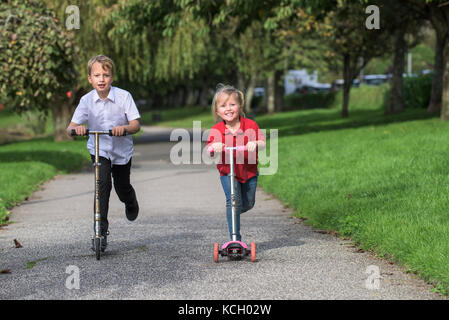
[{"x": 105, "y": 108}]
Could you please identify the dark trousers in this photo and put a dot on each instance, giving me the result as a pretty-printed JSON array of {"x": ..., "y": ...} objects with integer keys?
[{"x": 120, "y": 174}]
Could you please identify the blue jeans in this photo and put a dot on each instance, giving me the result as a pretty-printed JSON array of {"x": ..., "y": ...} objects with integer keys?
[{"x": 245, "y": 197}]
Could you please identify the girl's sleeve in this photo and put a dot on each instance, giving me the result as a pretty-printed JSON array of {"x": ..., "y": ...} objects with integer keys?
[
  {"x": 214, "y": 136},
  {"x": 259, "y": 133}
]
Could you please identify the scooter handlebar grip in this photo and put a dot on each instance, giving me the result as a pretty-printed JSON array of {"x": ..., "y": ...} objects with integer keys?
[
  {"x": 124, "y": 133},
  {"x": 73, "y": 133},
  {"x": 240, "y": 148}
]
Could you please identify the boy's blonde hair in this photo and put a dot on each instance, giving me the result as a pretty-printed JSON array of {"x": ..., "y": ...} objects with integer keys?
[
  {"x": 229, "y": 90},
  {"x": 105, "y": 62}
]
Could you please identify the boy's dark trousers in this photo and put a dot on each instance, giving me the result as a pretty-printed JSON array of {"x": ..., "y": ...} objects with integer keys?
[{"x": 121, "y": 177}]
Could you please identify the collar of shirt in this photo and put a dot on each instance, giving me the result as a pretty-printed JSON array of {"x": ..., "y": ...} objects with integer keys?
[
  {"x": 110, "y": 96},
  {"x": 239, "y": 131}
]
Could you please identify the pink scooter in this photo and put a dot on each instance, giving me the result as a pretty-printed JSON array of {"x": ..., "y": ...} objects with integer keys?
[{"x": 234, "y": 249}]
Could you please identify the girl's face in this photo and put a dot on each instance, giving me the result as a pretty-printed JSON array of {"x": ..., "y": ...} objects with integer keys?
[{"x": 228, "y": 107}]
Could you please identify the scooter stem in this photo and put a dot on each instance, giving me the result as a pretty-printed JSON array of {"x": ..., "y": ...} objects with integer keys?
[{"x": 97, "y": 186}]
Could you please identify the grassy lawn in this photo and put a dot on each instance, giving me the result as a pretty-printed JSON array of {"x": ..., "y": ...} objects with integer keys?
[
  {"x": 25, "y": 165},
  {"x": 382, "y": 181}
]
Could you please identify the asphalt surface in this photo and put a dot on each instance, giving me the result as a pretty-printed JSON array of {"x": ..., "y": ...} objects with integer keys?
[{"x": 167, "y": 253}]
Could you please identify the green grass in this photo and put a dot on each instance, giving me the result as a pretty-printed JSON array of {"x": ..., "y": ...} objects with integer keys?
[
  {"x": 25, "y": 165},
  {"x": 9, "y": 118},
  {"x": 382, "y": 181}
]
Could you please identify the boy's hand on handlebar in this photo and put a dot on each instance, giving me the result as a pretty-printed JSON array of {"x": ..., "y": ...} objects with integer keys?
[
  {"x": 80, "y": 130},
  {"x": 251, "y": 146},
  {"x": 118, "y": 131}
]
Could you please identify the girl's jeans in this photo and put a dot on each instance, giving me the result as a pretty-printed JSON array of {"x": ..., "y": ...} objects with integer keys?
[{"x": 245, "y": 197}]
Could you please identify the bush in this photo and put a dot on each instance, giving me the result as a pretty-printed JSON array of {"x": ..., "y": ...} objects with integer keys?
[
  {"x": 319, "y": 100},
  {"x": 416, "y": 91}
]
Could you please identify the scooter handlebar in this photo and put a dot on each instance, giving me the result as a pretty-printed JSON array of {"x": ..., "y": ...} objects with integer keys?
[
  {"x": 238, "y": 148},
  {"x": 108, "y": 132}
]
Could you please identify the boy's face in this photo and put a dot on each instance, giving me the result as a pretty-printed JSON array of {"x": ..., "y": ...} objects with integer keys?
[
  {"x": 228, "y": 108},
  {"x": 100, "y": 79}
]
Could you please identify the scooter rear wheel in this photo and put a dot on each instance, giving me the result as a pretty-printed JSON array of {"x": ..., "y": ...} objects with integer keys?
[
  {"x": 253, "y": 251},
  {"x": 97, "y": 248},
  {"x": 216, "y": 252}
]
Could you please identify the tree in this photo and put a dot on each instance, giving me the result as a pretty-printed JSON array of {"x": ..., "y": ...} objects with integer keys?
[
  {"x": 353, "y": 41},
  {"x": 403, "y": 23},
  {"x": 439, "y": 17},
  {"x": 437, "y": 12},
  {"x": 36, "y": 64}
]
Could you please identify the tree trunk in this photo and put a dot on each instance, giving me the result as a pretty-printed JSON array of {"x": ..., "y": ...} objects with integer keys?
[
  {"x": 279, "y": 90},
  {"x": 250, "y": 93},
  {"x": 347, "y": 77},
  {"x": 191, "y": 98},
  {"x": 445, "y": 97},
  {"x": 241, "y": 82},
  {"x": 271, "y": 106},
  {"x": 439, "y": 16},
  {"x": 395, "y": 101},
  {"x": 437, "y": 81},
  {"x": 204, "y": 95},
  {"x": 62, "y": 114}
]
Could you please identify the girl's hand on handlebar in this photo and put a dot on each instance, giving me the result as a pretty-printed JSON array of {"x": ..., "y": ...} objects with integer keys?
[
  {"x": 118, "y": 131},
  {"x": 215, "y": 147},
  {"x": 251, "y": 146}
]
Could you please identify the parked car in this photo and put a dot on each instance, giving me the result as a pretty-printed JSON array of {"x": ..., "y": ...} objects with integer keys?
[
  {"x": 259, "y": 91},
  {"x": 338, "y": 84},
  {"x": 375, "y": 79},
  {"x": 314, "y": 88}
]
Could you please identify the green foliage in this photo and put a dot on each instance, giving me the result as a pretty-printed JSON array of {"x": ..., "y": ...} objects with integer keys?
[
  {"x": 25, "y": 165},
  {"x": 36, "y": 64},
  {"x": 416, "y": 91},
  {"x": 369, "y": 178},
  {"x": 309, "y": 100}
]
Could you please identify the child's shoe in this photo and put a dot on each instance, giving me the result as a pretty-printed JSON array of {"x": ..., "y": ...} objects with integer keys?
[{"x": 132, "y": 210}]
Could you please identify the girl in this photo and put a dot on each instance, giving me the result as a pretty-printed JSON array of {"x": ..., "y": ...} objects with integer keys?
[{"x": 235, "y": 130}]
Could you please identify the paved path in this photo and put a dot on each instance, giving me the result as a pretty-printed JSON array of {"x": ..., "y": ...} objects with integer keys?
[{"x": 167, "y": 252}]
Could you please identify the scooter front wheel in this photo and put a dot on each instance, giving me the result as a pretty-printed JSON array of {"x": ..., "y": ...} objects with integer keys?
[
  {"x": 97, "y": 248},
  {"x": 253, "y": 251},
  {"x": 216, "y": 252}
]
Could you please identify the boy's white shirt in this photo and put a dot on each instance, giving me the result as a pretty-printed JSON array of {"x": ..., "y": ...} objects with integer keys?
[{"x": 116, "y": 110}]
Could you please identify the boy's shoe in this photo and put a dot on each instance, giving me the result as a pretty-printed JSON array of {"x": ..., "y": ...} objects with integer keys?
[
  {"x": 104, "y": 242},
  {"x": 132, "y": 210}
]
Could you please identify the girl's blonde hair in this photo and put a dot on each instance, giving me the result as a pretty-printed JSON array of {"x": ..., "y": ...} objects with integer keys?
[
  {"x": 105, "y": 62},
  {"x": 229, "y": 90}
]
